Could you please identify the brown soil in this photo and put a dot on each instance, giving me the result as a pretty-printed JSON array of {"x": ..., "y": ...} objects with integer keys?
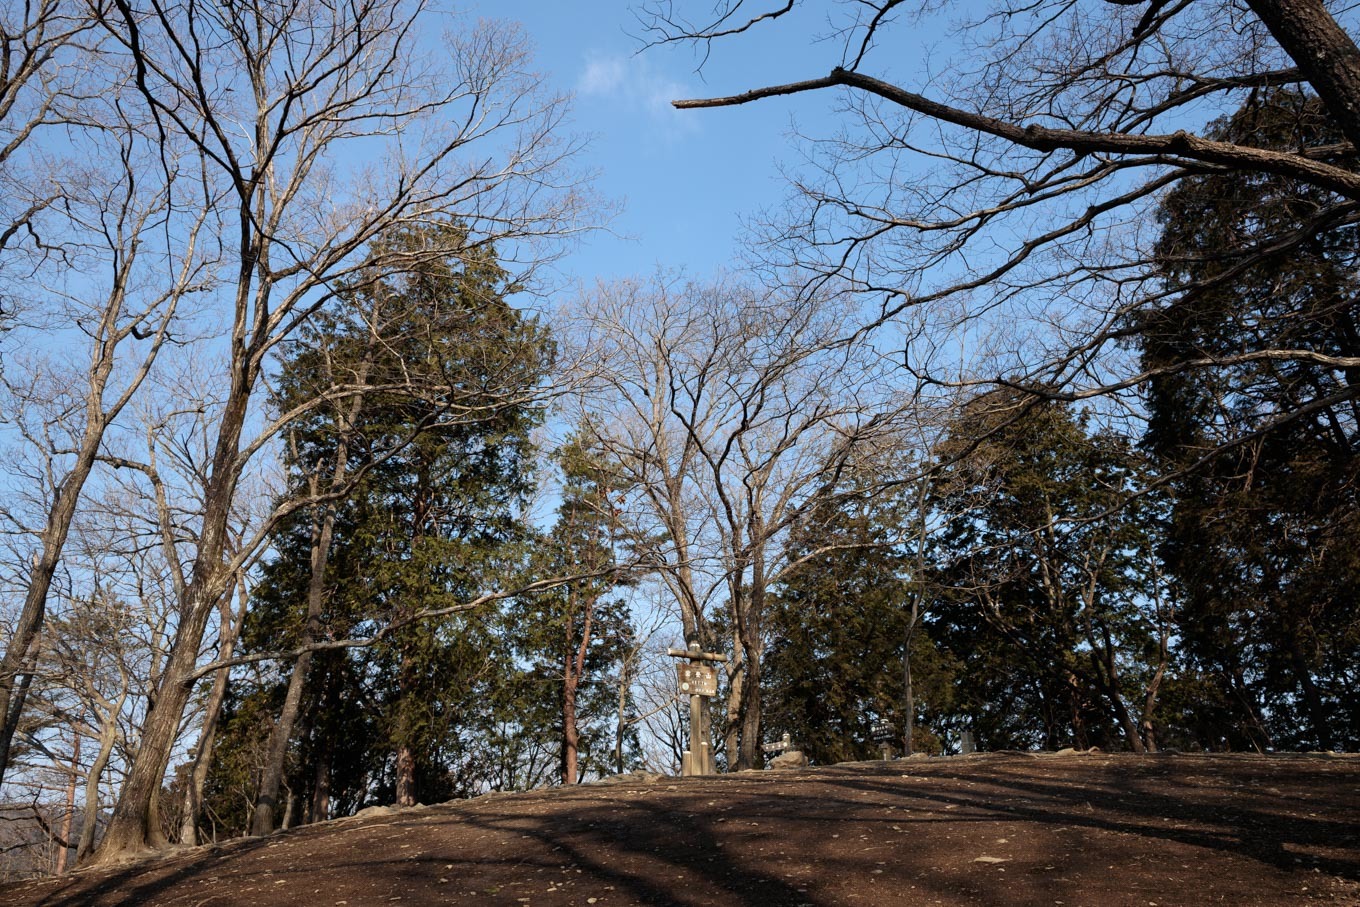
[{"x": 996, "y": 829}]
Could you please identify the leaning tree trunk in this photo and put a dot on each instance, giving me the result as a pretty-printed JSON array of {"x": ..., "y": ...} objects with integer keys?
[
  {"x": 1324, "y": 53},
  {"x": 108, "y": 736},
  {"x": 29, "y": 625},
  {"x": 135, "y": 826}
]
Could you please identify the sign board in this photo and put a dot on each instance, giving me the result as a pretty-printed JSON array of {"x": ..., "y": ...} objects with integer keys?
[{"x": 697, "y": 679}]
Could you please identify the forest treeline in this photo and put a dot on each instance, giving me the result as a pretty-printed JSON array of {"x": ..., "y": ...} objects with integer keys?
[{"x": 312, "y": 504}]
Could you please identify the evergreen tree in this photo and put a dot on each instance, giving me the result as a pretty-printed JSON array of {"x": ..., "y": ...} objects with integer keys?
[
  {"x": 434, "y": 378},
  {"x": 575, "y": 637},
  {"x": 1263, "y": 452},
  {"x": 1049, "y": 579},
  {"x": 838, "y": 632}
]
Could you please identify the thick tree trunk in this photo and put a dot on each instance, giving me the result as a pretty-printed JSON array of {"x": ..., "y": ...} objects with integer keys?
[
  {"x": 136, "y": 823},
  {"x": 135, "y": 826},
  {"x": 1324, "y": 52}
]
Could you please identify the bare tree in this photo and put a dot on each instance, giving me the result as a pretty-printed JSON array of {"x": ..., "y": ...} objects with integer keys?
[
  {"x": 132, "y": 227},
  {"x": 1008, "y": 189},
  {"x": 461, "y": 131},
  {"x": 731, "y": 412}
]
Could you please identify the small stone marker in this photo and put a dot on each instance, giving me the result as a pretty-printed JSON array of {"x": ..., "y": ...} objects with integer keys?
[{"x": 788, "y": 758}]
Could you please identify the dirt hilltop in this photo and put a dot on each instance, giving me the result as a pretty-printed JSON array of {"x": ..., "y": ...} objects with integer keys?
[{"x": 994, "y": 829}]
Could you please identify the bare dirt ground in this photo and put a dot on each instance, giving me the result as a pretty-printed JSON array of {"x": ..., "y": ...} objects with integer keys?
[{"x": 995, "y": 829}]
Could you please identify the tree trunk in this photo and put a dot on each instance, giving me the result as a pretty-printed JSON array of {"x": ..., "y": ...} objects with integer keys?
[
  {"x": 212, "y": 710},
  {"x": 621, "y": 726},
  {"x": 262, "y": 823},
  {"x": 1107, "y": 678},
  {"x": 65, "y": 848},
  {"x": 289, "y": 810},
  {"x": 1149, "y": 706},
  {"x": 908, "y": 703},
  {"x": 749, "y": 629},
  {"x": 406, "y": 776},
  {"x": 575, "y": 671},
  {"x": 135, "y": 826},
  {"x": 23, "y": 644},
  {"x": 1312, "y": 698},
  {"x": 321, "y": 788},
  {"x": 571, "y": 736},
  {"x": 752, "y": 755},
  {"x": 735, "y": 695},
  {"x": 1324, "y": 52},
  {"x": 19, "y": 692},
  {"x": 108, "y": 736},
  {"x": 65, "y": 497}
]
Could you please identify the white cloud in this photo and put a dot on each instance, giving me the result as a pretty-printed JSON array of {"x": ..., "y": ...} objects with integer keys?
[
  {"x": 602, "y": 76},
  {"x": 634, "y": 85}
]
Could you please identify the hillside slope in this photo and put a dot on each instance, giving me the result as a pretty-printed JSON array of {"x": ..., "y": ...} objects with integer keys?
[{"x": 997, "y": 829}]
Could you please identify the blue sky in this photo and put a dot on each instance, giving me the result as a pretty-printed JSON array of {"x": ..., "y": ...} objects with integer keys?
[{"x": 686, "y": 179}]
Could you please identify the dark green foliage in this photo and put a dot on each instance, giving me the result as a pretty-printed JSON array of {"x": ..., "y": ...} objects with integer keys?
[
  {"x": 1047, "y": 585},
  {"x": 575, "y": 639},
  {"x": 438, "y": 454},
  {"x": 1262, "y": 544},
  {"x": 838, "y": 629}
]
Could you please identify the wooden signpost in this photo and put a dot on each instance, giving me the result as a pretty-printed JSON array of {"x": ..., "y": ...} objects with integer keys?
[{"x": 698, "y": 679}]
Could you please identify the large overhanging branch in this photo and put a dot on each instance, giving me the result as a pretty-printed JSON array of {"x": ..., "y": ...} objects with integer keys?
[{"x": 1175, "y": 146}]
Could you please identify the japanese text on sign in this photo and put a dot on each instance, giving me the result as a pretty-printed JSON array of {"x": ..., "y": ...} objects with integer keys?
[{"x": 698, "y": 680}]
